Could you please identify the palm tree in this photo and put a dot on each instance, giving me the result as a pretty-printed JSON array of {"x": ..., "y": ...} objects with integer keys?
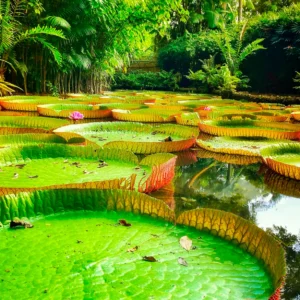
[{"x": 14, "y": 33}]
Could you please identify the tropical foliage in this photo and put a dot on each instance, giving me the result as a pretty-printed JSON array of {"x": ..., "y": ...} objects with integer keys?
[
  {"x": 216, "y": 78},
  {"x": 166, "y": 81},
  {"x": 75, "y": 46},
  {"x": 297, "y": 81}
]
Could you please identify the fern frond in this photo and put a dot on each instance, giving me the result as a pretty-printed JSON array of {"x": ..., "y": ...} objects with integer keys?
[
  {"x": 251, "y": 48},
  {"x": 41, "y": 30}
]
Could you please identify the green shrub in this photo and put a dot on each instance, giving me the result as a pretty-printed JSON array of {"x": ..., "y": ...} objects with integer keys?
[
  {"x": 184, "y": 53},
  {"x": 216, "y": 78},
  {"x": 140, "y": 80},
  {"x": 272, "y": 70}
]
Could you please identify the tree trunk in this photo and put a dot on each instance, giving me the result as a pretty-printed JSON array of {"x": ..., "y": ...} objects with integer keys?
[
  {"x": 2, "y": 73},
  {"x": 240, "y": 14},
  {"x": 25, "y": 83}
]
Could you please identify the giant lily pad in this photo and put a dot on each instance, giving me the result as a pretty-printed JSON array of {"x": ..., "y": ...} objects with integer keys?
[
  {"x": 190, "y": 119},
  {"x": 172, "y": 107},
  {"x": 136, "y": 137},
  {"x": 296, "y": 115},
  {"x": 283, "y": 159},
  {"x": 239, "y": 145},
  {"x": 281, "y": 184},
  {"x": 126, "y": 100},
  {"x": 96, "y": 258},
  {"x": 28, "y": 103},
  {"x": 10, "y": 124},
  {"x": 229, "y": 158},
  {"x": 30, "y": 138},
  {"x": 195, "y": 104},
  {"x": 55, "y": 166},
  {"x": 145, "y": 115},
  {"x": 122, "y": 105},
  {"x": 272, "y": 116},
  {"x": 273, "y": 106},
  {"x": 64, "y": 110},
  {"x": 250, "y": 128},
  {"x": 7, "y": 113}
]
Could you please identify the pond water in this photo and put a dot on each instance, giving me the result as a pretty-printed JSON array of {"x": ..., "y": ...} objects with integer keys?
[
  {"x": 240, "y": 189},
  {"x": 250, "y": 191}
]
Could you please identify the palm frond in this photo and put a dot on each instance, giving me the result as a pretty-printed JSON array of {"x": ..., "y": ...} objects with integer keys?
[
  {"x": 7, "y": 87},
  {"x": 55, "y": 21}
]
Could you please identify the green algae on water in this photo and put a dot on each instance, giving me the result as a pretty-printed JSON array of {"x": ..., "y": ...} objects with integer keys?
[{"x": 84, "y": 255}]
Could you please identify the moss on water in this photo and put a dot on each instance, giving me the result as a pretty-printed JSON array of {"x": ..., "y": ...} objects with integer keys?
[{"x": 83, "y": 255}]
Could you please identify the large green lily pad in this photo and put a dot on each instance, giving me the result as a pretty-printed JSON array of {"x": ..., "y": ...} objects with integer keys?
[
  {"x": 145, "y": 115},
  {"x": 13, "y": 124},
  {"x": 250, "y": 128},
  {"x": 189, "y": 119},
  {"x": 283, "y": 159},
  {"x": 26, "y": 103},
  {"x": 64, "y": 110},
  {"x": 136, "y": 137},
  {"x": 239, "y": 145},
  {"x": 54, "y": 166},
  {"x": 228, "y": 226},
  {"x": 122, "y": 105},
  {"x": 29, "y": 138},
  {"x": 85, "y": 255}
]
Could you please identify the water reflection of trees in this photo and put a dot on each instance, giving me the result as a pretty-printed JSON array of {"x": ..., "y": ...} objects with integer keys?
[
  {"x": 242, "y": 190},
  {"x": 225, "y": 186},
  {"x": 291, "y": 244}
]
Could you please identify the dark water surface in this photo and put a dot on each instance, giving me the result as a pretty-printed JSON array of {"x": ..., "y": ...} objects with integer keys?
[{"x": 251, "y": 191}]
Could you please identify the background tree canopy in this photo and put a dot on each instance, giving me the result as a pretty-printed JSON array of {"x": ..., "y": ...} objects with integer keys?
[{"x": 77, "y": 46}]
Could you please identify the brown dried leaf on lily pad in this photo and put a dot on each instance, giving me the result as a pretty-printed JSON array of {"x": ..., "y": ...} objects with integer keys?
[
  {"x": 133, "y": 249},
  {"x": 186, "y": 243},
  {"x": 182, "y": 261},
  {"x": 149, "y": 258},
  {"x": 124, "y": 223}
]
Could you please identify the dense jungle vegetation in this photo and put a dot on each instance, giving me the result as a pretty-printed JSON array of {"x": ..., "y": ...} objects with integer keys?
[{"x": 61, "y": 46}]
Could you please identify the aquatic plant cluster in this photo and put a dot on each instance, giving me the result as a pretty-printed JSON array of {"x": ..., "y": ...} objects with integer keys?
[{"x": 109, "y": 154}]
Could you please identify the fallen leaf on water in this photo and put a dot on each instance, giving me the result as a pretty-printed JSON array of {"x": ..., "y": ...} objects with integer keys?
[
  {"x": 168, "y": 139},
  {"x": 182, "y": 261},
  {"x": 155, "y": 235},
  {"x": 87, "y": 172},
  {"x": 124, "y": 223},
  {"x": 149, "y": 258},
  {"x": 186, "y": 243},
  {"x": 133, "y": 249},
  {"x": 20, "y": 166}
]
